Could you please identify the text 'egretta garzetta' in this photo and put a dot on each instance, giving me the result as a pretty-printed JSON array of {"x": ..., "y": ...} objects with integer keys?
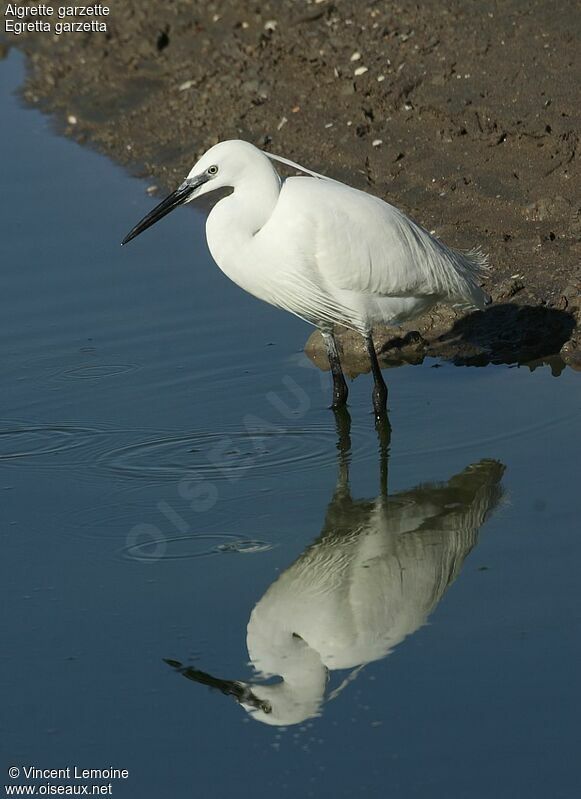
[{"x": 324, "y": 251}]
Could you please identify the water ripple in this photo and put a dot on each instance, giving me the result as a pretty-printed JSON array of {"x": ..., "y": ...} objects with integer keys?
[
  {"x": 96, "y": 371},
  {"x": 26, "y": 441},
  {"x": 200, "y": 545},
  {"x": 217, "y": 456}
]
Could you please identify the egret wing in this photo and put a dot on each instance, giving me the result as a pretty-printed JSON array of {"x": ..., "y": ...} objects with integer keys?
[{"x": 363, "y": 244}]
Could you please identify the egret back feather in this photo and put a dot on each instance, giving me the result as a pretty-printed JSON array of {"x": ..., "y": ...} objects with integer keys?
[
  {"x": 299, "y": 168},
  {"x": 359, "y": 244}
]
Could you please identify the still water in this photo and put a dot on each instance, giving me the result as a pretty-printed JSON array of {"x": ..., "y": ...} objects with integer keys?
[{"x": 180, "y": 510}]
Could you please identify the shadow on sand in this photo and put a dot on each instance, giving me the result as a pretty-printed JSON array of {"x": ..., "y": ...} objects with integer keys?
[{"x": 502, "y": 334}]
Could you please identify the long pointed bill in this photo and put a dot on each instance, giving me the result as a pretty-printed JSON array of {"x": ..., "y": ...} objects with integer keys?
[
  {"x": 181, "y": 195},
  {"x": 239, "y": 690}
]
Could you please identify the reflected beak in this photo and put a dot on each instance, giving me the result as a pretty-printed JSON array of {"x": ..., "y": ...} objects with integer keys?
[
  {"x": 181, "y": 195},
  {"x": 239, "y": 690}
]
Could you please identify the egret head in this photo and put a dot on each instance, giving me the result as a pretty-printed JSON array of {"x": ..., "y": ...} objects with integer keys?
[
  {"x": 278, "y": 703},
  {"x": 281, "y": 704},
  {"x": 225, "y": 165}
]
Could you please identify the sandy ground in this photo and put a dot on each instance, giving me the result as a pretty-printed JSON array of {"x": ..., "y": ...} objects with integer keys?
[{"x": 465, "y": 114}]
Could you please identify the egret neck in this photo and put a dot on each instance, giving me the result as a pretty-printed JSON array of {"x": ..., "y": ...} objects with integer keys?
[{"x": 243, "y": 213}]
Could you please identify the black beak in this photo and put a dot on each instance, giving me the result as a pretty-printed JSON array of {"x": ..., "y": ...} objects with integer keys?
[
  {"x": 181, "y": 195},
  {"x": 241, "y": 692}
]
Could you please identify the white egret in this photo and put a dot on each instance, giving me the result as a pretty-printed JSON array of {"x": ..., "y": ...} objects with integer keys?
[
  {"x": 324, "y": 251},
  {"x": 373, "y": 577}
]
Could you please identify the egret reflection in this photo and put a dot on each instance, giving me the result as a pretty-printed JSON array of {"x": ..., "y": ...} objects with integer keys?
[{"x": 373, "y": 576}]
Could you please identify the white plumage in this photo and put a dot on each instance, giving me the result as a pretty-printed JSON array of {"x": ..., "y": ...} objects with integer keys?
[
  {"x": 372, "y": 578},
  {"x": 329, "y": 253},
  {"x": 325, "y": 251}
]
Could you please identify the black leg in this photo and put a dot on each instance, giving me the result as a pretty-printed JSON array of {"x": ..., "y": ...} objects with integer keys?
[
  {"x": 383, "y": 428},
  {"x": 379, "y": 389},
  {"x": 340, "y": 390},
  {"x": 343, "y": 426}
]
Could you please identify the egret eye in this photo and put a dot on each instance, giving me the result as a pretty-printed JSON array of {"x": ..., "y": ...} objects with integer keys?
[{"x": 212, "y": 170}]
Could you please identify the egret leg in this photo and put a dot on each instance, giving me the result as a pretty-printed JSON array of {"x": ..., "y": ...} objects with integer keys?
[
  {"x": 340, "y": 390},
  {"x": 383, "y": 428},
  {"x": 379, "y": 389},
  {"x": 343, "y": 426}
]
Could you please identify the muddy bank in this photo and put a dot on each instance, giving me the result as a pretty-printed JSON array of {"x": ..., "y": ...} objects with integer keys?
[{"x": 466, "y": 116}]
